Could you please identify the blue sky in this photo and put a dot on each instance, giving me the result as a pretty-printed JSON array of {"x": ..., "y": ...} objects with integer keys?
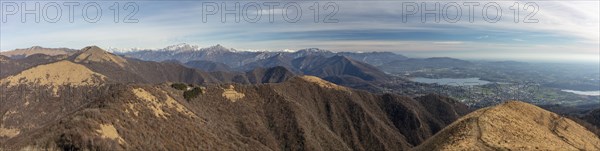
[{"x": 565, "y": 31}]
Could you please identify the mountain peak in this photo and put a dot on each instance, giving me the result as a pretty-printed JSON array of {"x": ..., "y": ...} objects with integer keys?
[
  {"x": 513, "y": 125},
  {"x": 314, "y": 50},
  {"x": 36, "y": 47},
  {"x": 309, "y": 51},
  {"x": 92, "y": 49},
  {"x": 341, "y": 57},
  {"x": 217, "y": 48},
  {"x": 279, "y": 55},
  {"x": 96, "y": 54},
  {"x": 323, "y": 83},
  {"x": 182, "y": 47}
]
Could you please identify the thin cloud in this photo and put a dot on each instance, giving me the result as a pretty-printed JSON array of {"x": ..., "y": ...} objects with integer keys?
[{"x": 449, "y": 42}]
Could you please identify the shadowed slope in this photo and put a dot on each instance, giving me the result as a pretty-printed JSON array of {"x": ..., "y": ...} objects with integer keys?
[
  {"x": 208, "y": 66},
  {"x": 338, "y": 66},
  {"x": 303, "y": 113}
]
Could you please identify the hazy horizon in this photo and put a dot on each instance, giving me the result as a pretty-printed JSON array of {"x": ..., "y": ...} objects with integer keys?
[{"x": 407, "y": 54}]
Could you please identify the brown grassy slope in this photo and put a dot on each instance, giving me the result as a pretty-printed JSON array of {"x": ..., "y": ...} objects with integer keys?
[
  {"x": 10, "y": 67},
  {"x": 26, "y": 108},
  {"x": 513, "y": 126},
  {"x": 134, "y": 119},
  {"x": 56, "y": 74},
  {"x": 45, "y": 93},
  {"x": 294, "y": 115}
]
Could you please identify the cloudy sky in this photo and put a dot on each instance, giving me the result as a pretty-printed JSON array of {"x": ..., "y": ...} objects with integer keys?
[{"x": 544, "y": 31}]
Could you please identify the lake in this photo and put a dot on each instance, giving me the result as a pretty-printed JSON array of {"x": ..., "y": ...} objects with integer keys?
[
  {"x": 452, "y": 81},
  {"x": 588, "y": 93}
]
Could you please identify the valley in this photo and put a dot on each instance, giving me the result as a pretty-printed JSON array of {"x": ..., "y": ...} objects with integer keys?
[{"x": 537, "y": 83}]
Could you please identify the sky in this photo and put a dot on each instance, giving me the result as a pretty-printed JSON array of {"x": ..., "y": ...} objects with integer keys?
[{"x": 564, "y": 31}]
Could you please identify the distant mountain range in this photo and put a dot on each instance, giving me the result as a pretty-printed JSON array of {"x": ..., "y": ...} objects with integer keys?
[
  {"x": 215, "y": 64},
  {"x": 22, "y": 53},
  {"x": 370, "y": 65},
  {"x": 234, "y": 58},
  {"x": 338, "y": 66}
]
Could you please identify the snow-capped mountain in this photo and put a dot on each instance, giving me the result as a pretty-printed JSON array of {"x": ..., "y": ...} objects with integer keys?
[
  {"x": 181, "y": 47},
  {"x": 236, "y": 58}
]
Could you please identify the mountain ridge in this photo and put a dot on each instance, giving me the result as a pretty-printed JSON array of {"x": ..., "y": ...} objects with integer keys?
[
  {"x": 95, "y": 54},
  {"x": 513, "y": 125},
  {"x": 25, "y": 52}
]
